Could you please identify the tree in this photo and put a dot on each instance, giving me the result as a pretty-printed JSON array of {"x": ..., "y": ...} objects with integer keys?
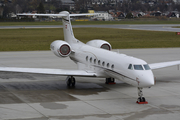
[
  {"x": 40, "y": 8},
  {"x": 53, "y": 5},
  {"x": 81, "y": 5},
  {"x": 129, "y": 16}
]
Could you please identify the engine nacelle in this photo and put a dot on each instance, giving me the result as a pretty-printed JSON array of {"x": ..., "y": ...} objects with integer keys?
[
  {"x": 100, "y": 44},
  {"x": 60, "y": 48}
]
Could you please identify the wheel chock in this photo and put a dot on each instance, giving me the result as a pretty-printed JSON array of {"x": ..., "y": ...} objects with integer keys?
[
  {"x": 141, "y": 102},
  {"x": 111, "y": 83}
]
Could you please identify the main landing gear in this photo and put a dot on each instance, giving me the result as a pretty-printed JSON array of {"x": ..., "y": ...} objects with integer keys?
[
  {"x": 70, "y": 80},
  {"x": 141, "y": 100},
  {"x": 110, "y": 81}
]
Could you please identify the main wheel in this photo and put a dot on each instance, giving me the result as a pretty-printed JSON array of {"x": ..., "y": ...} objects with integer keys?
[
  {"x": 71, "y": 81},
  {"x": 109, "y": 80}
]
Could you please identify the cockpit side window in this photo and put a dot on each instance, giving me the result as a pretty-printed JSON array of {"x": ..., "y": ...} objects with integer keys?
[
  {"x": 146, "y": 67},
  {"x": 130, "y": 67},
  {"x": 138, "y": 67}
]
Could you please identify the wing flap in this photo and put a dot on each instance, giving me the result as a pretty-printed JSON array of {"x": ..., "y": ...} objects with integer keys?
[
  {"x": 163, "y": 64},
  {"x": 49, "y": 71}
]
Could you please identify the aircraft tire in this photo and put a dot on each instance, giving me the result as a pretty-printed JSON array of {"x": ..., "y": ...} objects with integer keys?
[
  {"x": 109, "y": 80},
  {"x": 143, "y": 99},
  {"x": 71, "y": 82}
]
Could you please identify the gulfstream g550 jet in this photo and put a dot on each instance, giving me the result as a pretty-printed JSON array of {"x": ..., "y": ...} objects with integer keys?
[{"x": 95, "y": 59}]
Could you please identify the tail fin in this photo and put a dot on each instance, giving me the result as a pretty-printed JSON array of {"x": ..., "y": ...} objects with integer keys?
[{"x": 67, "y": 27}]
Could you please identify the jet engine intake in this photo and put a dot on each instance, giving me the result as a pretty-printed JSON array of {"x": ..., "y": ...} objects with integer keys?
[
  {"x": 60, "y": 48},
  {"x": 100, "y": 44}
]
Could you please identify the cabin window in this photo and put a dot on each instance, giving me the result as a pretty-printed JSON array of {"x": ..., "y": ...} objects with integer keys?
[
  {"x": 130, "y": 67},
  {"x": 86, "y": 58},
  {"x": 99, "y": 62},
  {"x": 138, "y": 67},
  {"x": 91, "y": 59},
  {"x": 94, "y": 61},
  {"x": 103, "y": 63},
  {"x": 107, "y": 64},
  {"x": 146, "y": 67},
  {"x": 112, "y": 66}
]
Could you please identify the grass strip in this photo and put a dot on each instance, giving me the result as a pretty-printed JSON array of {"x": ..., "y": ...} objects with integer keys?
[
  {"x": 94, "y": 22},
  {"x": 40, "y": 39}
]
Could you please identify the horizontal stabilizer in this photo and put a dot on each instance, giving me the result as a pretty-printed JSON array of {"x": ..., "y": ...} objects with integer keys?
[
  {"x": 83, "y": 14},
  {"x": 30, "y": 14},
  {"x": 57, "y": 15}
]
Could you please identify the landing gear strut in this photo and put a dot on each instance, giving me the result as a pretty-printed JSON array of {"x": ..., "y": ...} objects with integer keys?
[
  {"x": 141, "y": 99},
  {"x": 70, "y": 80},
  {"x": 110, "y": 81}
]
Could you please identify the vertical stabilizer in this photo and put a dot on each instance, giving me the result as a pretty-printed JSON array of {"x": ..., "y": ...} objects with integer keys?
[{"x": 67, "y": 28}]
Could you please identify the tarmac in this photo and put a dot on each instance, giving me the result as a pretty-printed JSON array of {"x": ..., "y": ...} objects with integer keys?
[{"x": 26, "y": 96}]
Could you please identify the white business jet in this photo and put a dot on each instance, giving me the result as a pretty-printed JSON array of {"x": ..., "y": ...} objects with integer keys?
[{"x": 95, "y": 59}]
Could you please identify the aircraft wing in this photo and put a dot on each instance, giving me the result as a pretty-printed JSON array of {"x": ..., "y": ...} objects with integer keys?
[
  {"x": 50, "y": 71},
  {"x": 163, "y": 64}
]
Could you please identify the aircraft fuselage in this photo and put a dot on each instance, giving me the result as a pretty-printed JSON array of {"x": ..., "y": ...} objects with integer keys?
[{"x": 107, "y": 63}]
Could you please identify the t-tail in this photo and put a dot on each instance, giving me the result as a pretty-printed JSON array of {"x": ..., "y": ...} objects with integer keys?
[{"x": 67, "y": 27}]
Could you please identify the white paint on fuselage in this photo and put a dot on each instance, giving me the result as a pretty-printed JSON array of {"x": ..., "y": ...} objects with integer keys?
[{"x": 111, "y": 64}]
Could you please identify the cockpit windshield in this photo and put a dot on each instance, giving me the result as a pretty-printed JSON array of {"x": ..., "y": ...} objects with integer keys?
[
  {"x": 146, "y": 67},
  {"x": 138, "y": 67},
  {"x": 130, "y": 67}
]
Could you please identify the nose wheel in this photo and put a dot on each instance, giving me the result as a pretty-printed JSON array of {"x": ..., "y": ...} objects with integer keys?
[{"x": 141, "y": 99}]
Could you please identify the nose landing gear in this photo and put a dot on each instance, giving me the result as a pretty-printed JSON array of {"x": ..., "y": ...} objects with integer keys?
[{"x": 141, "y": 100}]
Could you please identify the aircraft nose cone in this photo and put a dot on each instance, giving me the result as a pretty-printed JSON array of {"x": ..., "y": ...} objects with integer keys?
[
  {"x": 147, "y": 80},
  {"x": 150, "y": 81}
]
